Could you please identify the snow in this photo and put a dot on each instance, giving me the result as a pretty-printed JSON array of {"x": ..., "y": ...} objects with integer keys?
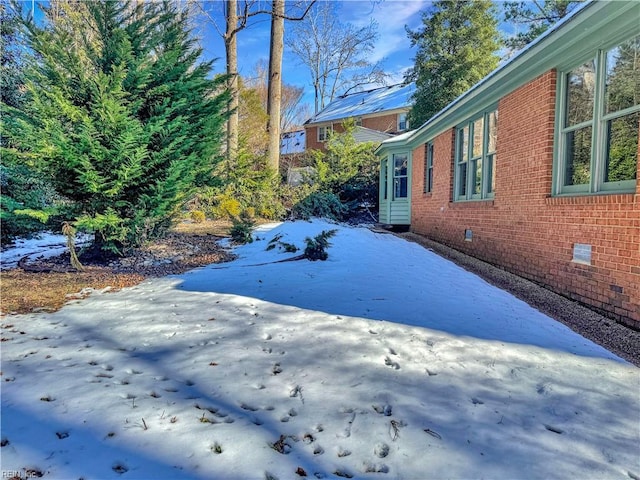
[
  {"x": 42, "y": 245},
  {"x": 365, "y": 103},
  {"x": 384, "y": 362}
]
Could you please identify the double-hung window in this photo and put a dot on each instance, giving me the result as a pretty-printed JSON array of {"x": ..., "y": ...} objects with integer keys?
[
  {"x": 323, "y": 133},
  {"x": 599, "y": 122},
  {"x": 476, "y": 157},
  {"x": 403, "y": 122},
  {"x": 400, "y": 179},
  {"x": 428, "y": 167}
]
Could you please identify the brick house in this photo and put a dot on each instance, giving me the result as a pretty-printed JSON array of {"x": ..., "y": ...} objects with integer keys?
[
  {"x": 535, "y": 169},
  {"x": 379, "y": 114}
]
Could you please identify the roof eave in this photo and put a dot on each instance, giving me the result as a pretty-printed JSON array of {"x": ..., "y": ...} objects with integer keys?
[{"x": 539, "y": 57}]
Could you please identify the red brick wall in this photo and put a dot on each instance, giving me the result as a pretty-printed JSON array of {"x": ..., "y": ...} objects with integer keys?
[
  {"x": 524, "y": 229},
  {"x": 382, "y": 123}
]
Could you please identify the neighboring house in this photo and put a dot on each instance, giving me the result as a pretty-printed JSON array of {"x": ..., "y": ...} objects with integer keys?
[
  {"x": 535, "y": 169},
  {"x": 292, "y": 144},
  {"x": 379, "y": 114},
  {"x": 291, "y": 151}
]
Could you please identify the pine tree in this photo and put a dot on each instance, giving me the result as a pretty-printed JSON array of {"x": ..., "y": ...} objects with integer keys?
[
  {"x": 123, "y": 119},
  {"x": 536, "y": 17},
  {"x": 457, "y": 47}
]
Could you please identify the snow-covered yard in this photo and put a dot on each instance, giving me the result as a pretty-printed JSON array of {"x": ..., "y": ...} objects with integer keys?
[{"x": 384, "y": 362}]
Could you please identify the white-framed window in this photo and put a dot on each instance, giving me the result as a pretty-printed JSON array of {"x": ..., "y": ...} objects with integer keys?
[
  {"x": 323, "y": 132},
  {"x": 476, "y": 157},
  {"x": 403, "y": 122},
  {"x": 400, "y": 175},
  {"x": 428, "y": 167},
  {"x": 358, "y": 121},
  {"x": 599, "y": 120}
]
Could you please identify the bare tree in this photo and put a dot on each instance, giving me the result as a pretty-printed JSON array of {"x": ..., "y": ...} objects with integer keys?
[
  {"x": 335, "y": 53},
  {"x": 292, "y": 112},
  {"x": 274, "y": 94},
  {"x": 237, "y": 17}
]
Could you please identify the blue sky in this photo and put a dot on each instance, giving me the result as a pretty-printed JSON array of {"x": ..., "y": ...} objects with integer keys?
[{"x": 392, "y": 47}]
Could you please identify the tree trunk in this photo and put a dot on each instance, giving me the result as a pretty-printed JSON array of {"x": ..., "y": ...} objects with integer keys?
[
  {"x": 274, "y": 96},
  {"x": 231, "y": 47}
]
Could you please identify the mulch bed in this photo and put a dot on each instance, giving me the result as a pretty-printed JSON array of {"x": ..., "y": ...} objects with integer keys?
[{"x": 47, "y": 284}]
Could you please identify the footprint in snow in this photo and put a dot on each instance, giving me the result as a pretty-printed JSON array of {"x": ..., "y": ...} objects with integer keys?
[
  {"x": 343, "y": 452},
  {"x": 477, "y": 401},
  {"x": 120, "y": 468},
  {"x": 383, "y": 409},
  {"x": 390, "y": 363},
  {"x": 381, "y": 450},
  {"x": 375, "y": 468}
]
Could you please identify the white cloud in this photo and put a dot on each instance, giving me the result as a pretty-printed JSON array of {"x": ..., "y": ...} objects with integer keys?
[{"x": 391, "y": 17}]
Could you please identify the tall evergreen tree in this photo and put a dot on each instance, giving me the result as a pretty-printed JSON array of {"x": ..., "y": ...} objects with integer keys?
[
  {"x": 457, "y": 45},
  {"x": 536, "y": 17},
  {"x": 124, "y": 119},
  {"x": 11, "y": 76}
]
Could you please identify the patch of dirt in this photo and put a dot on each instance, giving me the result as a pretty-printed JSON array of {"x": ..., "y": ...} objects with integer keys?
[{"x": 24, "y": 291}]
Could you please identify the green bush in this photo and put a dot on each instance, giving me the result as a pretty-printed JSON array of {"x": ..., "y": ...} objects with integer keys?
[
  {"x": 27, "y": 202},
  {"x": 197, "y": 216},
  {"x": 120, "y": 115},
  {"x": 316, "y": 248},
  {"x": 320, "y": 204},
  {"x": 346, "y": 176},
  {"x": 242, "y": 229}
]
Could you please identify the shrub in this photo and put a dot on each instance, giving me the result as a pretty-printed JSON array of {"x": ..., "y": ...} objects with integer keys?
[
  {"x": 98, "y": 124},
  {"x": 27, "y": 202},
  {"x": 287, "y": 247},
  {"x": 197, "y": 216},
  {"x": 242, "y": 229},
  {"x": 317, "y": 246},
  {"x": 320, "y": 204}
]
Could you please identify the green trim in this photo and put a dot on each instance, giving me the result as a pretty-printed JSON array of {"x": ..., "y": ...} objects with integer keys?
[
  {"x": 598, "y": 25},
  {"x": 598, "y": 124},
  {"x": 394, "y": 211},
  {"x": 486, "y": 170}
]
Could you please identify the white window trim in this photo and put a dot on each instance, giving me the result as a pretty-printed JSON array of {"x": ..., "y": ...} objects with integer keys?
[
  {"x": 326, "y": 129},
  {"x": 406, "y": 121}
]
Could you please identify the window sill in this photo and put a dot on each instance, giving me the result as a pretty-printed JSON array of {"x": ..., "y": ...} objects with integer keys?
[
  {"x": 486, "y": 203},
  {"x": 593, "y": 199}
]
